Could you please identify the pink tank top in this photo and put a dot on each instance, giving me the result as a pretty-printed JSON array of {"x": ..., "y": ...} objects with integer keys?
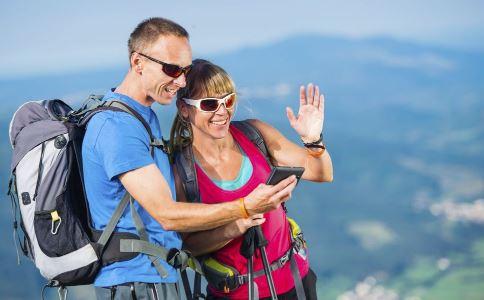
[{"x": 275, "y": 228}]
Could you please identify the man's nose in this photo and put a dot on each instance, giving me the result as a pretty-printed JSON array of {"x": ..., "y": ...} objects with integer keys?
[{"x": 181, "y": 80}]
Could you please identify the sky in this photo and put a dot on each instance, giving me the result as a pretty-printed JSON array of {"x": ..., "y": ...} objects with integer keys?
[{"x": 45, "y": 37}]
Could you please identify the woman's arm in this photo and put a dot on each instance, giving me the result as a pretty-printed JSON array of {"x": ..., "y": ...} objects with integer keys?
[
  {"x": 309, "y": 125},
  {"x": 204, "y": 242}
]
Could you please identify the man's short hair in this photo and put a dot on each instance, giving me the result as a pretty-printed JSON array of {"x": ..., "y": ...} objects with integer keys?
[{"x": 150, "y": 30}]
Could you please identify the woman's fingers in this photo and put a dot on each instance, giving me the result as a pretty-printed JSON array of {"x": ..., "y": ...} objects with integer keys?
[
  {"x": 290, "y": 115},
  {"x": 254, "y": 220},
  {"x": 282, "y": 184},
  {"x": 257, "y": 222},
  {"x": 257, "y": 216},
  {"x": 285, "y": 193},
  {"x": 310, "y": 94},
  {"x": 321, "y": 104},
  {"x": 302, "y": 95},
  {"x": 316, "y": 96}
]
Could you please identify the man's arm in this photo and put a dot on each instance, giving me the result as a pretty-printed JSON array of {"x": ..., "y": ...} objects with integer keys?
[{"x": 148, "y": 186}]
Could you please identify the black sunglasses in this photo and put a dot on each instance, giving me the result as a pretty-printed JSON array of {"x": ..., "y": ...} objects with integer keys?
[{"x": 169, "y": 69}]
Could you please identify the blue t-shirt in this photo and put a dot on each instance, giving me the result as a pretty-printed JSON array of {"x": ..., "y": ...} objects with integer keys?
[{"x": 116, "y": 142}]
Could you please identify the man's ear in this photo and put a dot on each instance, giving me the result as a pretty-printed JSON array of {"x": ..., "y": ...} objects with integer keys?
[{"x": 136, "y": 62}]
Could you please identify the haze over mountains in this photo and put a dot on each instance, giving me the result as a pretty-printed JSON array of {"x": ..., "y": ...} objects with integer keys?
[{"x": 404, "y": 127}]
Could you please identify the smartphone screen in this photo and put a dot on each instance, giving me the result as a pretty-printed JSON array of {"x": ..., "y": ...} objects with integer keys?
[{"x": 280, "y": 173}]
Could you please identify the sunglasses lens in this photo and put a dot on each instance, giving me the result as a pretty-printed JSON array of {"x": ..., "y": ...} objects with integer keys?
[
  {"x": 187, "y": 69},
  {"x": 172, "y": 70},
  {"x": 229, "y": 103},
  {"x": 209, "y": 104}
]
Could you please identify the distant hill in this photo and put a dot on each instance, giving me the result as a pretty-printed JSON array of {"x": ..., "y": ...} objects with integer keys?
[{"x": 404, "y": 128}]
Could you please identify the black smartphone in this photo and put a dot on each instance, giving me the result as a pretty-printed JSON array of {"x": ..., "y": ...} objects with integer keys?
[{"x": 280, "y": 173}]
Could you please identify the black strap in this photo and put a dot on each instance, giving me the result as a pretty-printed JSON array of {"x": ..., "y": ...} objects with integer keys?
[
  {"x": 186, "y": 284},
  {"x": 197, "y": 287},
  {"x": 184, "y": 161},
  {"x": 12, "y": 192},
  {"x": 133, "y": 291},
  {"x": 301, "y": 295},
  {"x": 254, "y": 135},
  {"x": 126, "y": 108},
  {"x": 277, "y": 264},
  {"x": 296, "y": 245},
  {"x": 113, "y": 290}
]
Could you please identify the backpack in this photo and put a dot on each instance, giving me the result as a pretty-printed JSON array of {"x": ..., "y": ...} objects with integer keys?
[
  {"x": 221, "y": 275},
  {"x": 48, "y": 196}
]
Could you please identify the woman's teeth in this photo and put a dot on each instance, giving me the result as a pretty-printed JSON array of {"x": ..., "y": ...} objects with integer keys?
[{"x": 223, "y": 122}]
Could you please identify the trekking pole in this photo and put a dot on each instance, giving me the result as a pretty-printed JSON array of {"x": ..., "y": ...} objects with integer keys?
[
  {"x": 247, "y": 249},
  {"x": 261, "y": 244},
  {"x": 250, "y": 276}
]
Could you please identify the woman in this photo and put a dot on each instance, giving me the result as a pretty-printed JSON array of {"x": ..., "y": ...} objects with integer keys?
[{"x": 229, "y": 166}]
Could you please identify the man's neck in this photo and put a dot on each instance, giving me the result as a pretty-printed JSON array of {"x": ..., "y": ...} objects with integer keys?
[{"x": 131, "y": 87}]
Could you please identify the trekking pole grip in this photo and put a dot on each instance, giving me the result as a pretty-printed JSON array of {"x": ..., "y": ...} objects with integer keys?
[{"x": 261, "y": 239}]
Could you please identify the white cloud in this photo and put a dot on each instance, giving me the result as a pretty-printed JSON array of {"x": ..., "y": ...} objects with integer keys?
[
  {"x": 368, "y": 289},
  {"x": 455, "y": 181},
  {"x": 274, "y": 92},
  {"x": 371, "y": 234},
  {"x": 419, "y": 61},
  {"x": 460, "y": 212}
]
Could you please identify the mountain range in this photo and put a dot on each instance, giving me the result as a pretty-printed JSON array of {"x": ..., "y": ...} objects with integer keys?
[{"x": 403, "y": 124}]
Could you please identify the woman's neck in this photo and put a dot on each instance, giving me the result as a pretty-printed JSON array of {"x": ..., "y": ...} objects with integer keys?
[{"x": 213, "y": 151}]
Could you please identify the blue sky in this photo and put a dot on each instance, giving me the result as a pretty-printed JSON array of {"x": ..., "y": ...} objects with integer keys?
[{"x": 40, "y": 37}]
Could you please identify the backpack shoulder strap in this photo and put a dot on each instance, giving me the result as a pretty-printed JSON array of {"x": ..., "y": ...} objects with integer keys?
[
  {"x": 88, "y": 113},
  {"x": 185, "y": 166},
  {"x": 254, "y": 135},
  {"x": 127, "y": 109}
]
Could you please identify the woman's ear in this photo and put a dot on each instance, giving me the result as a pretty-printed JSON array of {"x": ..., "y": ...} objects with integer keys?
[{"x": 182, "y": 109}]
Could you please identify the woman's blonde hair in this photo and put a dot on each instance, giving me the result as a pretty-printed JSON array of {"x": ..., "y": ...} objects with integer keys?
[{"x": 205, "y": 79}]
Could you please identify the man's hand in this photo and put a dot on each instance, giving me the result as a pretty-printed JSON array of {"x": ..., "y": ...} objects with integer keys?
[{"x": 265, "y": 198}]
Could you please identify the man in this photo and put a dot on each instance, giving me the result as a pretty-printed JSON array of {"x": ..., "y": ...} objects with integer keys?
[{"x": 117, "y": 158}]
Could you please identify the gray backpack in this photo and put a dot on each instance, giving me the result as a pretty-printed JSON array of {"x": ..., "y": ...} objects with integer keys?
[{"x": 48, "y": 197}]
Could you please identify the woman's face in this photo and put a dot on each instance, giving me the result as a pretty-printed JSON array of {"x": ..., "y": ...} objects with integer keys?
[{"x": 213, "y": 125}]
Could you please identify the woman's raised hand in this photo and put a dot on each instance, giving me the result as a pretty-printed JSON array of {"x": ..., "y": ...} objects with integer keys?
[{"x": 309, "y": 120}]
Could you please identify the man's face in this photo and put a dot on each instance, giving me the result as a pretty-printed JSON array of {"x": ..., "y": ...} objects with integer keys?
[{"x": 158, "y": 86}]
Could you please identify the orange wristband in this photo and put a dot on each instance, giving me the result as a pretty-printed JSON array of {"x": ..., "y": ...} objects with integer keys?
[
  {"x": 317, "y": 153},
  {"x": 245, "y": 214}
]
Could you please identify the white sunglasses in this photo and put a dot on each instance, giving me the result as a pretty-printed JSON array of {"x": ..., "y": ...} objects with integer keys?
[{"x": 212, "y": 104}]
